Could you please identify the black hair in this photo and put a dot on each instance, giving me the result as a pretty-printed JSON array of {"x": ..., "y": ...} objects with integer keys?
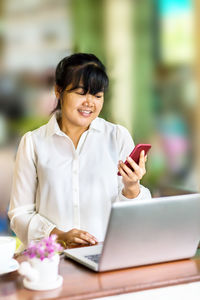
[{"x": 82, "y": 68}]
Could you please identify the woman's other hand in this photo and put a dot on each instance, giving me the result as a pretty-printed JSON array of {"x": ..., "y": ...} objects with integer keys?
[
  {"x": 130, "y": 177},
  {"x": 74, "y": 237}
]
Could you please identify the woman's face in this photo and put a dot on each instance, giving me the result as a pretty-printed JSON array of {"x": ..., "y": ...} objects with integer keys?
[{"x": 80, "y": 110}]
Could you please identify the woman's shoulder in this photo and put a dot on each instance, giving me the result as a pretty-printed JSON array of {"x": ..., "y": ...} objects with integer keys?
[
  {"x": 39, "y": 132},
  {"x": 119, "y": 132},
  {"x": 109, "y": 126}
]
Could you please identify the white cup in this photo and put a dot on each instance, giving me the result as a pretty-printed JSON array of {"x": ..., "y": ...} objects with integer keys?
[{"x": 7, "y": 250}]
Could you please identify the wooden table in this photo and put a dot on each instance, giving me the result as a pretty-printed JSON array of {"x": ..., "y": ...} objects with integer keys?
[{"x": 82, "y": 283}]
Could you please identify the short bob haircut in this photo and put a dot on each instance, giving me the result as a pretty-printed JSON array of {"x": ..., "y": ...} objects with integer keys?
[{"x": 81, "y": 69}]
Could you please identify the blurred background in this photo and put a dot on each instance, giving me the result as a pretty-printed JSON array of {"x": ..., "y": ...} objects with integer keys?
[{"x": 150, "y": 49}]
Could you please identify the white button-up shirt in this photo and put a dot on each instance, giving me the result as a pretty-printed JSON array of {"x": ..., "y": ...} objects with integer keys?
[{"x": 56, "y": 185}]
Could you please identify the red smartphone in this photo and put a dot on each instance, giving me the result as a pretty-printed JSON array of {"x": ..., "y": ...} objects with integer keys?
[{"x": 135, "y": 154}]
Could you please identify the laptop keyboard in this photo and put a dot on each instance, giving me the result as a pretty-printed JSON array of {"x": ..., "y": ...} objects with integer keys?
[{"x": 94, "y": 257}]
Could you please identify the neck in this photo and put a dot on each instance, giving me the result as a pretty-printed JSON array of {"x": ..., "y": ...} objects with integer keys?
[{"x": 73, "y": 132}]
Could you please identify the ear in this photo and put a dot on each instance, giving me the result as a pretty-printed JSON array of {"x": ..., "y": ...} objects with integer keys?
[{"x": 57, "y": 91}]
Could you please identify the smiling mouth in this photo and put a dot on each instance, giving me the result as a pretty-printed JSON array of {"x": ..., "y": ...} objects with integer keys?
[{"x": 84, "y": 112}]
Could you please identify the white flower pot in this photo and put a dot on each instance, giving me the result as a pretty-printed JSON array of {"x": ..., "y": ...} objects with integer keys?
[
  {"x": 41, "y": 274},
  {"x": 47, "y": 268}
]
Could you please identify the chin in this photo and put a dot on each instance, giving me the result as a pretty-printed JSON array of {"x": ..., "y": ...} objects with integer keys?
[{"x": 84, "y": 124}]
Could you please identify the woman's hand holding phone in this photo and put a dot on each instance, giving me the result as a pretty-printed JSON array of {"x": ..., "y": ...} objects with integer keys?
[{"x": 131, "y": 173}]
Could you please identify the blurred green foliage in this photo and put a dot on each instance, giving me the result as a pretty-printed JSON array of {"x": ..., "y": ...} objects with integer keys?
[{"x": 23, "y": 125}]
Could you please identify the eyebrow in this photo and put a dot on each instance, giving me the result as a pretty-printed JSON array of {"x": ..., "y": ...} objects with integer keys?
[
  {"x": 82, "y": 87},
  {"x": 78, "y": 87},
  {"x": 75, "y": 88}
]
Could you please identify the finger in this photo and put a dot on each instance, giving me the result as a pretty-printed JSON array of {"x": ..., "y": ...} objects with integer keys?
[
  {"x": 123, "y": 173},
  {"x": 77, "y": 240},
  {"x": 93, "y": 237},
  {"x": 142, "y": 160},
  {"x": 119, "y": 164},
  {"x": 89, "y": 235},
  {"x": 127, "y": 170},
  {"x": 128, "y": 177},
  {"x": 138, "y": 171},
  {"x": 132, "y": 175},
  {"x": 132, "y": 163},
  {"x": 86, "y": 238}
]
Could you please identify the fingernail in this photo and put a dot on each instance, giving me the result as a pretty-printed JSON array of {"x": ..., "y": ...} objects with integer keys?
[{"x": 92, "y": 242}]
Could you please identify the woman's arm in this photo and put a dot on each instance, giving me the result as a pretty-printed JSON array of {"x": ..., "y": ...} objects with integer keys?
[
  {"x": 128, "y": 183},
  {"x": 24, "y": 220}
]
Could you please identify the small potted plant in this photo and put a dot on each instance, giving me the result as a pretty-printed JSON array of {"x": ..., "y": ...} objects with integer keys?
[{"x": 41, "y": 270}]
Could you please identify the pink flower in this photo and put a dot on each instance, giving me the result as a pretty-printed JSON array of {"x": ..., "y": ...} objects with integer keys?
[{"x": 45, "y": 248}]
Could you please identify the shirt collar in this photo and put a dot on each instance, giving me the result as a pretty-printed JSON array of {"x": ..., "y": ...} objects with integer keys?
[
  {"x": 53, "y": 127},
  {"x": 96, "y": 124}
]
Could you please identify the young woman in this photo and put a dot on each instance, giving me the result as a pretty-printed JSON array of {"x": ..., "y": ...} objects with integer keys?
[{"x": 65, "y": 177}]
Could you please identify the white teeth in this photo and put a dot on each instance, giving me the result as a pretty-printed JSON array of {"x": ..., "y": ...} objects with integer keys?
[{"x": 85, "y": 111}]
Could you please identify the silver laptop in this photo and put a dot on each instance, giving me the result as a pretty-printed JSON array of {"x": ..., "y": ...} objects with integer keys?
[{"x": 145, "y": 232}]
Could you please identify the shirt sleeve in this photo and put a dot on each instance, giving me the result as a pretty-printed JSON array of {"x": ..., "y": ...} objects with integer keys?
[
  {"x": 24, "y": 219},
  {"x": 125, "y": 146}
]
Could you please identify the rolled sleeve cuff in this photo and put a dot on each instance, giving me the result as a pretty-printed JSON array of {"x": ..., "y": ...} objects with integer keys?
[
  {"x": 143, "y": 195},
  {"x": 39, "y": 228}
]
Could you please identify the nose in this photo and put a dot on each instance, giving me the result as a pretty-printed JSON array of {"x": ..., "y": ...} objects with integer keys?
[{"x": 89, "y": 100}]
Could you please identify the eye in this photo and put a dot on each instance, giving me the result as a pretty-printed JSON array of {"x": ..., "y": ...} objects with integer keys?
[
  {"x": 99, "y": 96},
  {"x": 80, "y": 91}
]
